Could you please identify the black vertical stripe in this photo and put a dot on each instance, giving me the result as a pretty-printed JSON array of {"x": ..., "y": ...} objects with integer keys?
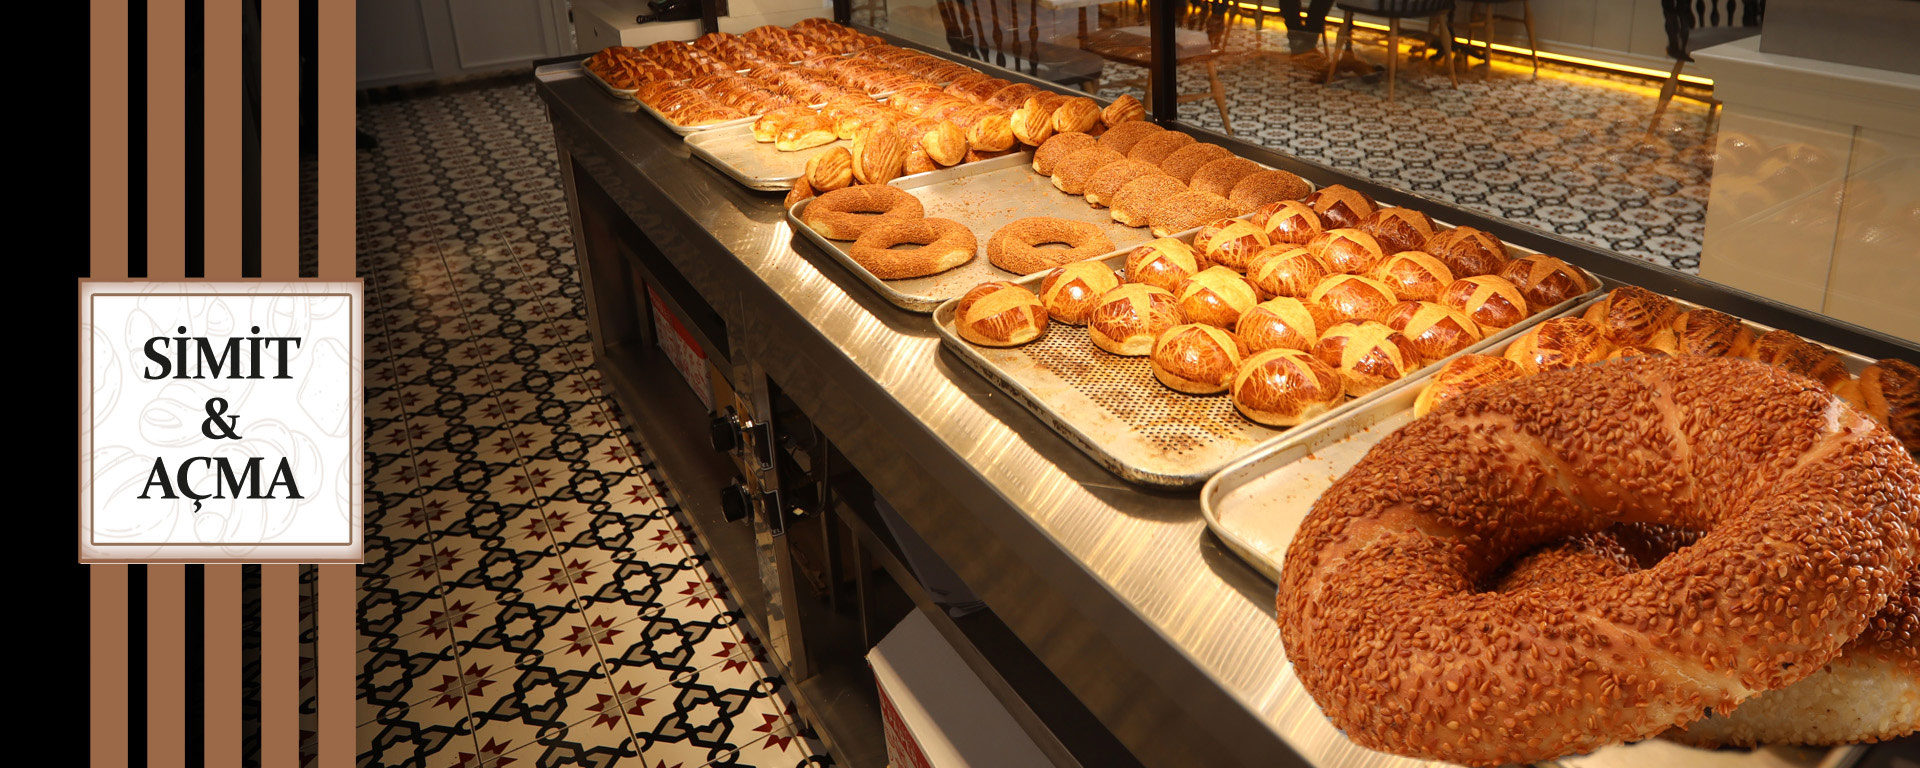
[
  {"x": 196, "y": 665},
  {"x": 136, "y": 665},
  {"x": 137, "y": 140},
  {"x": 250, "y": 664},
  {"x": 196, "y": 149},
  {"x": 250, "y": 139}
]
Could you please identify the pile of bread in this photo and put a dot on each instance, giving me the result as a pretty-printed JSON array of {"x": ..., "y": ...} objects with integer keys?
[
  {"x": 1635, "y": 322},
  {"x": 1150, "y": 176},
  {"x": 1292, "y": 309}
]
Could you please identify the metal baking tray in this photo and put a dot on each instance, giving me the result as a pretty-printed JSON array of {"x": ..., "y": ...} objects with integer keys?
[
  {"x": 689, "y": 130},
  {"x": 759, "y": 166},
  {"x": 618, "y": 93},
  {"x": 1255, "y": 505},
  {"x": 1113, "y": 408}
]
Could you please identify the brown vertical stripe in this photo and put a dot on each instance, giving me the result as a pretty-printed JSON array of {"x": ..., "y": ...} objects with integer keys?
[
  {"x": 221, "y": 144},
  {"x": 280, "y": 139},
  {"x": 280, "y": 666},
  {"x": 107, "y": 672},
  {"x": 338, "y": 165},
  {"x": 107, "y": 127},
  {"x": 166, "y": 140},
  {"x": 222, "y": 655},
  {"x": 166, "y": 670},
  {"x": 338, "y": 628}
]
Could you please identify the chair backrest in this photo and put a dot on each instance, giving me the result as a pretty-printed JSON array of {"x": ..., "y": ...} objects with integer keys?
[{"x": 1684, "y": 16}]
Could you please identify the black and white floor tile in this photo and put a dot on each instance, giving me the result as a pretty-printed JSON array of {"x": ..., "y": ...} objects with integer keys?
[
  {"x": 1562, "y": 152},
  {"x": 529, "y": 598}
]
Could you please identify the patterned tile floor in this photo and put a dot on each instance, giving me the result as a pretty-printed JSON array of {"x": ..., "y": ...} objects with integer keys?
[{"x": 529, "y": 597}]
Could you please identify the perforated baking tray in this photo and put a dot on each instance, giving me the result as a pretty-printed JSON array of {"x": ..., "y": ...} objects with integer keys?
[{"x": 1114, "y": 409}]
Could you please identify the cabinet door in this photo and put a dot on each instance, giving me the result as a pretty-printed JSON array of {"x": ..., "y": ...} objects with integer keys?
[
  {"x": 411, "y": 41},
  {"x": 491, "y": 34},
  {"x": 393, "y": 42}
]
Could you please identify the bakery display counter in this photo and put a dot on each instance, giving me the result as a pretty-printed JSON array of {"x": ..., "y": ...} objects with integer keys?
[{"x": 1144, "y": 639}]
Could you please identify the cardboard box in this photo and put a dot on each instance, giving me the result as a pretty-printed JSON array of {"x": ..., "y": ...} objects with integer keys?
[{"x": 936, "y": 712}]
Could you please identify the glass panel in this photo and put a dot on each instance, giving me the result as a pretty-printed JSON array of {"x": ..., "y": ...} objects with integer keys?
[{"x": 1047, "y": 39}]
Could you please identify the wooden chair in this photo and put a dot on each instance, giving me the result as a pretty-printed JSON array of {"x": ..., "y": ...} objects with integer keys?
[
  {"x": 1696, "y": 24},
  {"x": 1486, "y": 21},
  {"x": 1437, "y": 12},
  {"x": 1200, "y": 37}
]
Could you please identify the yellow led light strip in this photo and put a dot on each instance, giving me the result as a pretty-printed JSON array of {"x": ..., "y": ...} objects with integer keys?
[{"x": 1521, "y": 51}]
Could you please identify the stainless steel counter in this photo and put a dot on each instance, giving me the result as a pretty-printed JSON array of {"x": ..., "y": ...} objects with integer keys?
[{"x": 1164, "y": 635}]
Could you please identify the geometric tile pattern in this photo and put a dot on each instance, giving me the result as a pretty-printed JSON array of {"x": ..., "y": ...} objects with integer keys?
[
  {"x": 529, "y": 597},
  {"x": 1562, "y": 153}
]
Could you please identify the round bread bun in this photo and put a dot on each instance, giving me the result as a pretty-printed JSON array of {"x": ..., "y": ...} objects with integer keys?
[
  {"x": 1138, "y": 199},
  {"x": 1283, "y": 322},
  {"x": 944, "y": 244},
  {"x": 1184, "y": 162},
  {"x": 1544, "y": 280},
  {"x": 1634, "y": 315},
  {"x": 1285, "y": 270},
  {"x": 1414, "y": 275},
  {"x": 1387, "y": 569},
  {"x": 1558, "y": 344},
  {"x": 1216, "y": 296},
  {"x": 1220, "y": 176},
  {"x": 1074, "y": 171},
  {"x": 1493, "y": 303},
  {"x": 991, "y": 133},
  {"x": 1342, "y": 206},
  {"x": 1348, "y": 251},
  {"x": 1121, "y": 137},
  {"x": 1196, "y": 359},
  {"x": 1289, "y": 221},
  {"x": 1017, "y": 247},
  {"x": 1785, "y": 350},
  {"x": 1164, "y": 263},
  {"x": 1367, "y": 354},
  {"x": 1032, "y": 124},
  {"x": 1070, "y": 291},
  {"x": 1155, "y": 148},
  {"x": 1890, "y": 390},
  {"x": 1185, "y": 211},
  {"x": 1460, "y": 375},
  {"x": 1468, "y": 251},
  {"x": 1127, "y": 319},
  {"x": 1078, "y": 113},
  {"x": 1399, "y": 229},
  {"x": 1123, "y": 110},
  {"x": 830, "y": 169},
  {"x": 1353, "y": 297},
  {"x": 879, "y": 156},
  {"x": 1229, "y": 242},
  {"x": 1105, "y": 183},
  {"x": 1434, "y": 330},
  {"x": 1055, "y": 149},
  {"x": 1285, "y": 388},
  {"x": 1708, "y": 332},
  {"x": 999, "y": 314},
  {"x": 846, "y": 213},
  {"x": 1269, "y": 186}
]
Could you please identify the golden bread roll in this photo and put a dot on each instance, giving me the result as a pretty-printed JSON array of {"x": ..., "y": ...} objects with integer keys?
[
  {"x": 801, "y": 191},
  {"x": 767, "y": 127},
  {"x": 1460, "y": 375},
  {"x": 1121, "y": 138},
  {"x": 831, "y": 169},
  {"x": 1106, "y": 182},
  {"x": 1013, "y": 96},
  {"x": 1468, "y": 251},
  {"x": 1195, "y": 358},
  {"x": 1156, "y": 147},
  {"x": 1073, "y": 172},
  {"x": 1182, "y": 163},
  {"x": 946, "y": 143},
  {"x": 1229, "y": 242},
  {"x": 1367, "y": 354},
  {"x": 1123, "y": 110},
  {"x": 1078, "y": 113},
  {"x": 1707, "y": 332},
  {"x": 1637, "y": 350},
  {"x": 1127, "y": 319},
  {"x": 1283, "y": 323},
  {"x": 1055, "y": 149},
  {"x": 1137, "y": 200},
  {"x": 1784, "y": 349},
  {"x": 1353, "y": 297},
  {"x": 1285, "y": 388},
  {"x": 1348, "y": 250},
  {"x": 804, "y": 132},
  {"x": 1557, "y": 344},
  {"x": 1890, "y": 390},
  {"x": 1070, "y": 291},
  {"x": 1414, "y": 275},
  {"x": 1544, "y": 280},
  {"x": 1492, "y": 302},
  {"x": 991, "y": 133},
  {"x": 1216, "y": 296},
  {"x": 1434, "y": 330},
  {"x": 1032, "y": 124},
  {"x": 1289, "y": 221},
  {"x": 1164, "y": 263},
  {"x": 879, "y": 156},
  {"x": 1399, "y": 229},
  {"x": 918, "y": 161},
  {"x": 1265, "y": 187},
  {"x": 1634, "y": 315},
  {"x": 1342, "y": 206},
  {"x": 1185, "y": 211},
  {"x": 1286, "y": 270},
  {"x": 999, "y": 314},
  {"x": 1220, "y": 176}
]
